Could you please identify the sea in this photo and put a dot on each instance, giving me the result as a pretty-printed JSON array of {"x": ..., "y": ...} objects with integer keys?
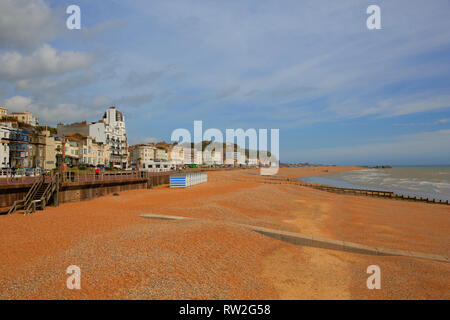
[{"x": 431, "y": 182}]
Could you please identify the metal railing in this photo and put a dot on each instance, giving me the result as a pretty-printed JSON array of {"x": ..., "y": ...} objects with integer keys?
[
  {"x": 44, "y": 198},
  {"x": 9, "y": 178},
  {"x": 72, "y": 177},
  {"x": 19, "y": 204}
]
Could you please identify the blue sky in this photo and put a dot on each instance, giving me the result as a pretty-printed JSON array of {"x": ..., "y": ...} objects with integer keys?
[{"x": 338, "y": 92}]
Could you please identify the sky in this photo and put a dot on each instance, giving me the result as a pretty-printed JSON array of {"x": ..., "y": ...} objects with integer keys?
[{"x": 338, "y": 92}]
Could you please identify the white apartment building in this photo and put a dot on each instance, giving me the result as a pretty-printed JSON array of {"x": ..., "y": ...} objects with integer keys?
[
  {"x": 4, "y": 146},
  {"x": 212, "y": 157},
  {"x": 197, "y": 156},
  {"x": 25, "y": 117},
  {"x": 94, "y": 153},
  {"x": 217, "y": 157},
  {"x": 252, "y": 161},
  {"x": 161, "y": 154},
  {"x": 176, "y": 155},
  {"x": 192, "y": 156},
  {"x": 96, "y": 130},
  {"x": 116, "y": 137},
  {"x": 141, "y": 153},
  {"x": 109, "y": 131},
  {"x": 3, "y": 112},
  {"x": 229, "y": 158},
  {"x": 72, "y": 151}
]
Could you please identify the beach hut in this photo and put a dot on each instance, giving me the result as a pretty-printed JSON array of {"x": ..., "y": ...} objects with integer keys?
[
  {"x": 183, "y": 180},
  {"x": 178, "y": 181}
]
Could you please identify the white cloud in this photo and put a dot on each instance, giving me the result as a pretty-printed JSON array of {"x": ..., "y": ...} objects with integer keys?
[
  {"x": 432, "y": 103},
  {"x": 57, "y": 86},
  {"x": 308, "y": 44},
  {"x": 42, "y": 62},
  {"x": 17, "y": 103},
  {"x": 395, "y": 106},
  {"x": 25, "y": 24},
  {"x": 51, "y": 114}
]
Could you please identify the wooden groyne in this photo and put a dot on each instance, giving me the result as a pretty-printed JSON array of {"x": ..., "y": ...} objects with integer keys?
[{"x": 361, "y": 192}]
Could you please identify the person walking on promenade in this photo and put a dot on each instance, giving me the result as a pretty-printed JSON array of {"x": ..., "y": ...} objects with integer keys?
[{"x": 97, "y": 173}]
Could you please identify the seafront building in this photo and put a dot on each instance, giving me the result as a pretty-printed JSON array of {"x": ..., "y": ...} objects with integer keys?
[
  {"x": 192, "y": 155},
  {"x": 24, "y": 117},
  {"x": 141, "y": 153},
  {"x": 84, "y": 150},
  {"x": 50, "y": 151},
  {"x": 108, "y": 131},
  {"x": 71, "y": 145},
  {"x": 3, "y": 112},
  {"x": 147, "y": 157},
  {"x": 213, "y": 157},
  {"x": 19, "y": 148},
  {"x": 102, "y": 143},
  {"x": 26, "y": 147},
  {"x": 43, "y": 150},
  {"x": 160, "y": 154},
  {"x": 96, "y": 130},
  {"x": 175, "y": 154},
  {"x": 4, "y": 145},
  {"x": 252, "y": 161},
  {"x": 116, "y": 137},
  {"x": 94, "y": 153}
]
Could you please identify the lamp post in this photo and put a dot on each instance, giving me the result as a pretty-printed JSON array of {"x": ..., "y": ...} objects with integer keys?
[{"x": 62, "y": 167}]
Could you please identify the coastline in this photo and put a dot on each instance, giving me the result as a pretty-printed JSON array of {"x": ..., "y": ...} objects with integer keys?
[
  {"x": 425, "y": 183},
  {"x": 125, "y": 256},
  {"x": 303, "y": 172}
]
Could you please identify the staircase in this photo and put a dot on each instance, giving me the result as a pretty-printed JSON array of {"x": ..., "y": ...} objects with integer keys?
[{"x": 38, "y": 196}]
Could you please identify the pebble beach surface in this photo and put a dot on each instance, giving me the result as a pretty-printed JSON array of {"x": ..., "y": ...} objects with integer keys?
[{"x": 124, "y": 256}]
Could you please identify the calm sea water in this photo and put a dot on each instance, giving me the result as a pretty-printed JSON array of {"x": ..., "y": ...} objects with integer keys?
[{"x": 429, "y": 182}]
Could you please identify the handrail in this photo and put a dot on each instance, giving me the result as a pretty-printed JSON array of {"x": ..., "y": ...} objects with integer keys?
[
  {"x": 27, "y": 209},
  {"x": 46, "y": 195},
  {"x": 28, "y": 196},
  {"x": 49, "y": 187},
  {"x": 34, "y": 188},
  {"x": 32, "y": 204},
  {"x": 14, "y": 207}
]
